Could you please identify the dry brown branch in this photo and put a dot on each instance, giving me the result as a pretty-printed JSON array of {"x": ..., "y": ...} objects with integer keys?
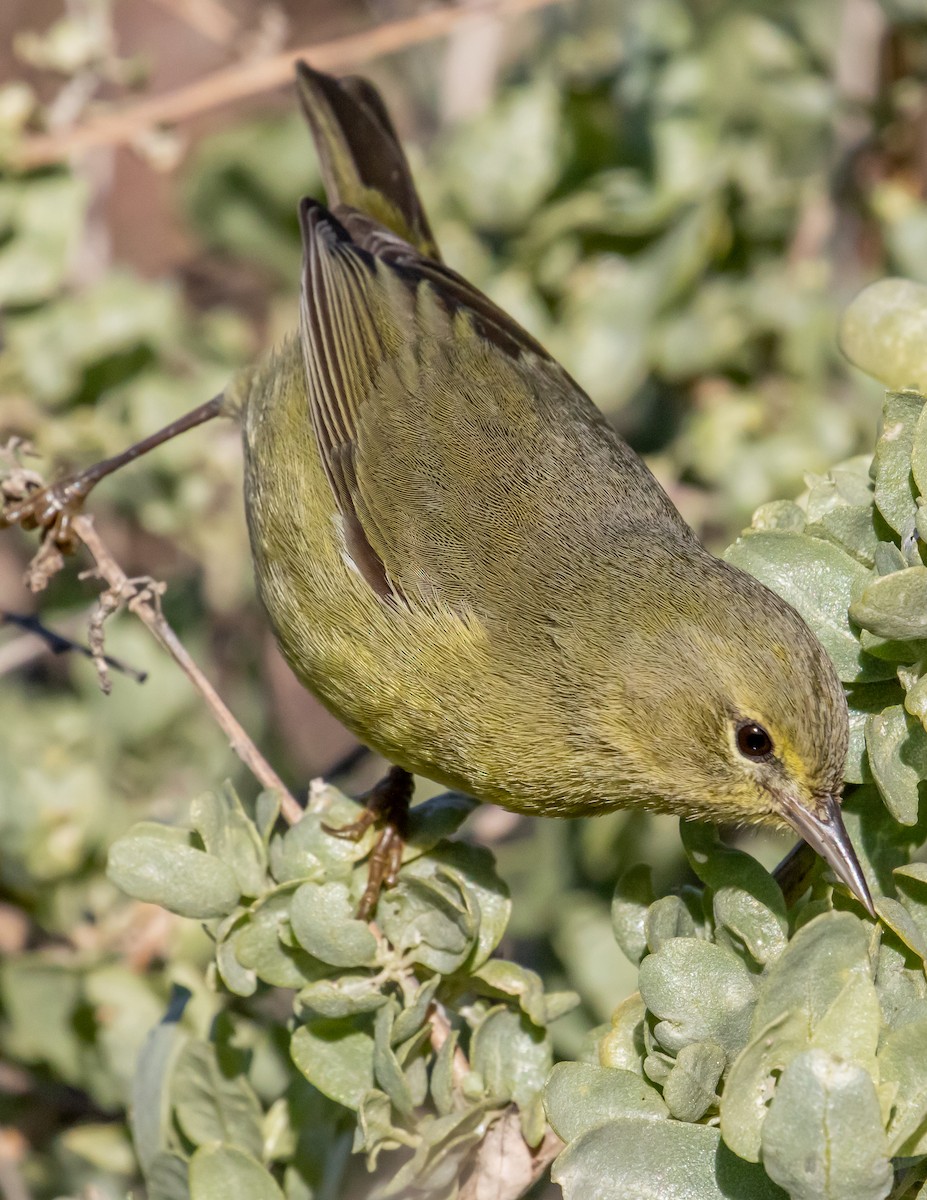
[
  {"x": 140, "y": 598},
  {"x": 39, "y": 640},
  {"x": 253, "y": 78}
]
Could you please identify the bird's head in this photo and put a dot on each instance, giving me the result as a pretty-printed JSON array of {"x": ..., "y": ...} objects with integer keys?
[{"x": 742, "y": 705}]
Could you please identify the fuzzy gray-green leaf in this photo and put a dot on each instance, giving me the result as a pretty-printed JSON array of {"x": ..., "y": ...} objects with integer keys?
[
  {"x": 180, "y": 878},
  {"x": 579, "y": 1097},
  {"x": 690, "y": 1088},
  {"x": 897, "y": 747},
  {"x": 819, "y": 580},
  {"x": 664, "y": 1160},
  {"x": 227, "y": 1173},
  {"x": 212, "y": 1108},
  {"x": 698, "y": 992},
  {"x": 322, "y": 918},
  {"x": 336, "y": 1056},
  {"x": 823, "y": 1137},
  {"x": 894, "y": 606}
]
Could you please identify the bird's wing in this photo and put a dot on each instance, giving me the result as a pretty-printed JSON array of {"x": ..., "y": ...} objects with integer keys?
[{"x": 457, "y": 450}]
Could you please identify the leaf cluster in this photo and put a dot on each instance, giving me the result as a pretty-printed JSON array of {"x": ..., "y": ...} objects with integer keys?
[{"x": 411, "y": 1024}]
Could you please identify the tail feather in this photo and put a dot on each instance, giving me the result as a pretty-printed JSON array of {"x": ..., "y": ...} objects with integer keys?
[{"x": 363, "y": 164}]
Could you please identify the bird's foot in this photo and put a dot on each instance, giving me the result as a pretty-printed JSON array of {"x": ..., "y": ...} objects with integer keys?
[
  {"x": 51, "y": 509},
  {"x": 386, "y": 805}
]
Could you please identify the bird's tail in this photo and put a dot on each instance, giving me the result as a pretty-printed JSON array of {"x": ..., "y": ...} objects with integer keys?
[{"x": 363, "y": 164}]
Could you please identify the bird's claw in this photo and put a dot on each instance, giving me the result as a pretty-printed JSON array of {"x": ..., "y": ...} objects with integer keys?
[
  {"x": 51, "y": 509},
  {"x": 387, "y": 805}
]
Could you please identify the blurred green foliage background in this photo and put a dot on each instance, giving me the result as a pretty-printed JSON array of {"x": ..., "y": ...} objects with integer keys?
[{"x": 676, "y": 196}]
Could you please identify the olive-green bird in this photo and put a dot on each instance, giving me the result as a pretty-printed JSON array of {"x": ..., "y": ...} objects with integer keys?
[{"x": 476, "y": 574}]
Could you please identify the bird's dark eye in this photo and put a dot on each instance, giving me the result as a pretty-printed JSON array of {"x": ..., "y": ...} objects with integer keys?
[{"x": 753, "y": 741}]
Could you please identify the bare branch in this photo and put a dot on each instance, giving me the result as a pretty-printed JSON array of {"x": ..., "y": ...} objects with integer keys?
[
  {"x": 253, "y": 78},
  {"x": 141, "y": 600},
  {"x": 40, "y": 639}
]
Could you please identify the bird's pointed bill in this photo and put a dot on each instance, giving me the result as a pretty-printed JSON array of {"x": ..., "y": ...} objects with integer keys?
[{"x": 825, "y": 833}]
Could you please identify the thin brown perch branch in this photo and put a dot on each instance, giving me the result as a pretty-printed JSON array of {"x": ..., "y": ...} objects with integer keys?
[
  {"x": 252, "y": 78},
  {"x": 146, "y": 610}
]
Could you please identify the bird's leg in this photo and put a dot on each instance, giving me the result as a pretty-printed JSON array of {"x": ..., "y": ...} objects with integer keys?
[
  {"x": 54, "y": 508},
  {"x": 386, "y": 805}
]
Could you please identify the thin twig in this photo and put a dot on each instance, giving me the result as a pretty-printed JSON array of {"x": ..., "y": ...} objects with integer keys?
[
  {"x": 143, "y": 604},
  {"x": 253, "y": 78},
  {"x": 23, "y": 650}
]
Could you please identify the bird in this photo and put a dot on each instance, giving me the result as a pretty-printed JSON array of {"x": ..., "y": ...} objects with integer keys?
[{"x": 466, "y": 563}]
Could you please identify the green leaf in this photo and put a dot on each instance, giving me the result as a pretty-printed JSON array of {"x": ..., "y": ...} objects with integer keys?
[
  {"x": 212, "y": 1108},
  {"x": 779, "y": 514},
  {"x": 514, "y": 1058},
  {"x": 430, "y": 917},
  {"x": 342, "y": 997},
  {"x": 226, "y": 1173},
  {"x": 667, "y": 918},
  {"x": 894, "y": 485},
  {"x": 376, "y": 1131},
  {"x": 40, "y": 229},
  {"x": 897, "y": 747},
  {"x": 850, "y": 1027},
  {"x": 475, "y": 868},
  {"x": 814, "y": 968},
  {"x": 911, "y": 884},
  {"x": 901, "y": 986},
  {"x": 259, "y": 948},
  {"x": 322, "y": 918},
  {"x": 442, "y": 1075},
  {"x": 633, "y": 896},
  {"x": 747, "y": 901},
  {"x": 415, "y": 1014},
  {"x": 435, "y": 819},
  {"x": 690, "y": 1088},
  {"x": 851, "y": 527},
  {"x": 818, "y": 994},
  {"x": 622, "y": 1047},
  {"x": 501, "y": 164},
  {"x": 167, "y": 1177},
  {"x": 579, "y": 1097},
  {"x": 699, "y": 992},
  {"x": 500, "y": 977},
  {"x": 178, "y": 877},
  {"x": 238, "y": 979},
  {"x": 898, "y": 919},
  {"x": 863, "y": 701},
  {"x": 884, "y": 332},
  {"x": 919, "y": 451},
  {"x": 894, "y": 606},
  {"x": 669, "y": 1160},
  {"x": 336, "y": 1056},
  {"x": 228, "y": 834},
  {"x": 903, "y": 1062},
  {"x": 820, "y": 581},
  {"x": 307, "y": 851},
  {"x": 387, "y": 1070},
  {"x": 823, "y": 1137},
  {"x": 151, "y": 1086},
  {"x": 752, "y": 1079}
]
